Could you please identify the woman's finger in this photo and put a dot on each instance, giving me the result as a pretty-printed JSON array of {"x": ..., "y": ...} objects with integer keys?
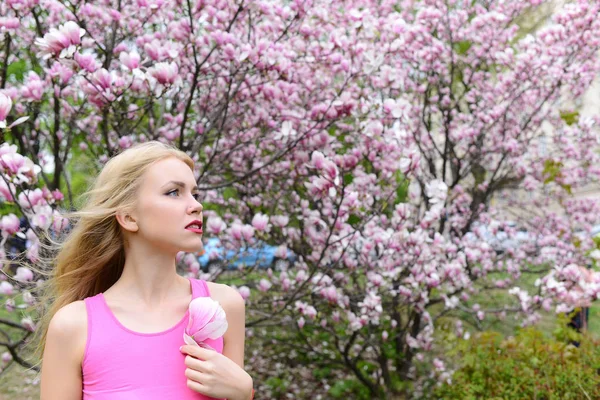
[
  {"x": 198, "y": 365},
  {"x": 194, "y": 375},
  {"x": 197, "y": 386},
  {"x": 197, "y": 351}
]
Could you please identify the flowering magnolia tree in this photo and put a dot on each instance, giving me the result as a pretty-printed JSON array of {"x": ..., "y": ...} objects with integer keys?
[{"x": 368, "y": 137}]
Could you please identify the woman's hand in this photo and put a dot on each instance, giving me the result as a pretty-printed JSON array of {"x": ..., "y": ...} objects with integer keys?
[{"x": 213, "y": 374}]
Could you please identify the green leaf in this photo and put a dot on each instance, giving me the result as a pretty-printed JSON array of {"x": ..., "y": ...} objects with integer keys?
[
  {"x": 229, "y": 193},
  {"x": 348, "y": 178},
  {"x": 402, "y": 192},
  {"x": 353, "y": 219},
  {"x": 463, "y": 47},
  {"x": 17, "y": 69},
  {"x": 570, "y": 117}
]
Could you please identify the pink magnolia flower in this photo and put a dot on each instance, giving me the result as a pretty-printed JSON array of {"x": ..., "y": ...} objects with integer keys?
[
  {"x": 73, "y": 32},
  {"x": 60, "y": 41},
  {"x": 207, "y": 321},
  {"x": 10, "y": 303},
  {"x": 244, "y": 292},
  {"x": 236, "y": 231},
  {"x": 215, "y": 225},
  {"x": 9, "y": 23},
  {"x": 247, "y": 232},
  {"x": 281, "y": 251},
  {"x": 86, "y": 62},
  {"x": 5, "y": 106},
  {"x": 23, "y": 274},
  {"x": 31, "y": 198},
  {"x": 6, "y": 357},
  {"x": 6, "y": 288},
  {"x": 6, "y": 191},
  {"x": 280, "y": 220},
  {"x": 28, "y": 298},
  {"x": 260, "y": 222},
  {"x": 13, "y": 163},
  {"x": 165, "y": 73},
  {"x": 130, "y": 60},
  {"x": 264, "y": 285},
  {"x": 28, "y": 323},
  {"x": 33, "y": 90},
  {"x": 10, "y": 224}
]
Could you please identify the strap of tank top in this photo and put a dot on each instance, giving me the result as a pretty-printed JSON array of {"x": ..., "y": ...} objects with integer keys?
[{"x": 201, "y": 288}]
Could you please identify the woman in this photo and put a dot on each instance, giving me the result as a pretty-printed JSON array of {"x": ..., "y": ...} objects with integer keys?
[{"x": 119, "y": 309}]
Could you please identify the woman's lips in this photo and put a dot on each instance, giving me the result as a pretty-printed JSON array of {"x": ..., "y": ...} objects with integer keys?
[{"x": 195, "y": 227}]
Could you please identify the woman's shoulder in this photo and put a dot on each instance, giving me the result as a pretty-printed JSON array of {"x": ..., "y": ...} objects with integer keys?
[
  {"x": 68, "y": 326},
  {"x": 228, "y": 297},
  {"x": 72, "y": 316}
]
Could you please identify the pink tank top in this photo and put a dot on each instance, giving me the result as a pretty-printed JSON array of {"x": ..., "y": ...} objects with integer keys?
[{"x": 120, "y": 364}]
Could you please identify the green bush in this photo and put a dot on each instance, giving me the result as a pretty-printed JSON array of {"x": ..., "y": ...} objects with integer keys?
[{"x": 526, "y": 366}]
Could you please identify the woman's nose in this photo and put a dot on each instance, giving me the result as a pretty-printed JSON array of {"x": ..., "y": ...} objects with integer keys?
[{"x": 196, "y": 206}]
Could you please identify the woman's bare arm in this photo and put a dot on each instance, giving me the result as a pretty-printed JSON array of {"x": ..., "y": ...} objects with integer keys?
[
  {"x": 63, "y": 353},
  {"x": 234, "y": 307}
]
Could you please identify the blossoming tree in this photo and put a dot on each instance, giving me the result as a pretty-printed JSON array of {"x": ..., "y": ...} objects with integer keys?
[{"x": 368, "y": 137}]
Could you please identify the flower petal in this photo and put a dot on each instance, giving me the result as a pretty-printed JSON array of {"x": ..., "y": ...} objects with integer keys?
[{"x": 189, "y": 340}]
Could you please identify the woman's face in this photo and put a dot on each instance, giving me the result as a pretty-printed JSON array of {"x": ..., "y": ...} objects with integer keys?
[{"x": 168, "y": 203}]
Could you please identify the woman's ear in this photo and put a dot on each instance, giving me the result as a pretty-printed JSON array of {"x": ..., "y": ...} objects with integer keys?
[{"x": 127, "y": 222}]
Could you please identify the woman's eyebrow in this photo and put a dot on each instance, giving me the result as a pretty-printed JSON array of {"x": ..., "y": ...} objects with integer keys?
[{"x": 182, "y": 185}]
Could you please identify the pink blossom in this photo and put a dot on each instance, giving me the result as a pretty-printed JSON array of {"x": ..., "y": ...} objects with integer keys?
[
  {"x": 244, "y": 292},
  {"x": 9, "y": 23},
  {"x": 236, "y": 231},
  {"x": 23, "y": 274},
  {"x": 6, "y": 357},
  {"x": 281, "y": 252},
  {"x": 330, "y": 293},
  {"x": 207, "y": 320},
  {"x": 31, "y": 198},
  {"x": 301, "y": 322},
  {"x": 6, "y": 288},
  {"x": 125, "y": 142},
  {"x": 61, "y": 40},
  {"x": 33, "y": 89},
  {"x": 28, "y": 323},
  {"x": 216, "y": 225},
  {"x": 260, "y": 222},
  {"x": 165, "y": 73},
  {"x": 247, "y": 232},
  {"x": 130, "y": 60},
  {"x": 10, "y": 224},
  {"x": 264, "y": 285},
  {"x": 86, "y": 62},
  {"x": 10, "y": 305},
  {"x": 5, "y": 106},
  {"x": 279, "y": 220},
  {"x": 6, "y": 191},
  {"x": 73, "y": 32},
  {"x": 28, "y": 298}
]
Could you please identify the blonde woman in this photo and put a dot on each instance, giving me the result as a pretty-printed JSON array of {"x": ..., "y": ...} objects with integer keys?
[{"x": 119, "y": 309}]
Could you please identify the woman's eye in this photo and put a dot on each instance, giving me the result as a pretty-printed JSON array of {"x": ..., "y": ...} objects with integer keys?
[
  {"x": 196, "y": 197},
  {"x": 175, "y": 191}
]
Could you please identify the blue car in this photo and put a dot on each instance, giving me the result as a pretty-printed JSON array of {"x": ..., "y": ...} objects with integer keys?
[{"x": 261, "y": 255}]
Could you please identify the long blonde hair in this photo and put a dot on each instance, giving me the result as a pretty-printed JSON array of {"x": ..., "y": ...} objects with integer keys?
[{"x": 91, "y": 258}]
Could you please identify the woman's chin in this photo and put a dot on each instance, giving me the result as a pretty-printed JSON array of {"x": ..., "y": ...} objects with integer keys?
[{"x": 193, "y": 247}]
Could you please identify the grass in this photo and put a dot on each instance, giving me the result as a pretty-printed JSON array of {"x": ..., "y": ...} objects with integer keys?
[
  {"x": 16, "y": 382},
  {"x": 594, "y": 322}
]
